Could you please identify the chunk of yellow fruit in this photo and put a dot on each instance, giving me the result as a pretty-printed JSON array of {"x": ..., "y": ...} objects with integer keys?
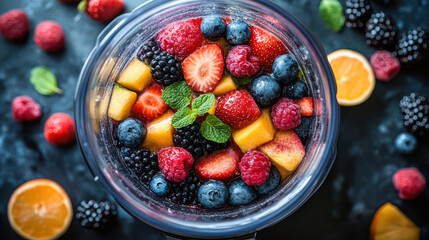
[
  {"x": 136, "y": 76},
  {"x": 212, "y": 109},
  {"x": 159, "y": 132},
  {"x": 121, "y": 103},
  {"x": 256, "y": 134},
  {"x": 400, "y": 233},
  {"x": 226, "y": 84}
]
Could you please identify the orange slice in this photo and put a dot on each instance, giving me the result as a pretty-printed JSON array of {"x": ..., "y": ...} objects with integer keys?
[
  {"x": 354, "y": 76},
  {"x": 40, "y": 209}
]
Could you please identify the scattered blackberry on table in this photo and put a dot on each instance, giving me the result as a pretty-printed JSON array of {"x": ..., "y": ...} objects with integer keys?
[
  {"x": 142, "y": 162},
  {"x": 381, "y": 31},
  {"x": 413, "y": 47},
  {"x": 166, "y": 69},
  {"x": 148, "y": 51},
  {"x": 415, "y": 111},
  {"x": 357, "y": 13},
  {"x": 96, "y": 215},
  {"x": 185, "y": 192}
]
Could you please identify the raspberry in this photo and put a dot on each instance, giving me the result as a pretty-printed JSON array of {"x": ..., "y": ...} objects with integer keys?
[
  {"x": 409, "y": 182},
  {"x": 175, "y": 163},
  {"x": 255, "y": 168},
  {"x": 14, "y": 25},
  {"x": 385, "y": 65},
  {"x": 241, "y": 62},
  {"x": 286, "y": 114},
  {"x": 25, "y": 109},
  {"x": 49, "y": 36},
  {"x": 181, "y": 38},
  {"x": 59, "y": 129}
]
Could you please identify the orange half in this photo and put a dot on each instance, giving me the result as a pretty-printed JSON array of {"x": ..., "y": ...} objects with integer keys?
[
  {"x": 40, "y": 209},
  {"x": 354, "y": 77}
]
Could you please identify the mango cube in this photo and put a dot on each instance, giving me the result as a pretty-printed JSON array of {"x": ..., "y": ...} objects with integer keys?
[
  {"x": 121, "y": 103},
  {"x": 256, "y": 134},
  {"x": 212, "y": 109},
  {"x": 159, "y": 132},
  {"x": 226, "y": 84},
  {"x": 136, "y": 76}
]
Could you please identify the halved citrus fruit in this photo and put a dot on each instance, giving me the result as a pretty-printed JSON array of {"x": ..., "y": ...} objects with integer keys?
[
  {"x": 354, "y": 76},
  {"x": 40, "y": 209}
]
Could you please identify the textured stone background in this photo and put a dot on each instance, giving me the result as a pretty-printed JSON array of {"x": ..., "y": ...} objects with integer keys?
[{"x": 358, "y": 184}]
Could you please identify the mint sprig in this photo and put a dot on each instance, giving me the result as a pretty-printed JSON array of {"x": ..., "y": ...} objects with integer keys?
[
  {"x": 177, "y": 95},
  {"x": 213, "y": 129},
  {"x": 185, "y": 116},
  {"x": 203, "y": 103},
  {"x": 44, "y": 81}
]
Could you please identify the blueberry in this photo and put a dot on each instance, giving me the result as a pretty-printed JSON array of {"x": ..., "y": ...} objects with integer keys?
[
  {"x": 240, "y": 193},
  {"x": 213, "y": 194},
  {"x": 237, "y": 33},
  {"x": 285, "y": 69},
  {"x": 265, "y": 90},
  {"x": 271, "y": 183},
  {"x": 303, "y": 129},
  {"x": 296, "y": 90},
  {"x": 159, "y": 185},
  {"x": 406, "y": 143},
  {"x": 213, "y": 28},
  {"x": 131, "y": 133}
]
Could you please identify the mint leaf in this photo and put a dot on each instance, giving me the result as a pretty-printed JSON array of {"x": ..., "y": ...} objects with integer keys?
[
  {"x": 81, "y": 7},
  {"x": 213, "y": 129},
  {"x": 238, "y": 81},
  {"x": 177, "y": 95},
  {"x": 183, "y": 117},
  {"x": 44, "y": 81},
  {"x": 332, "y": 14},
  {"x": 203, "y": 103}
]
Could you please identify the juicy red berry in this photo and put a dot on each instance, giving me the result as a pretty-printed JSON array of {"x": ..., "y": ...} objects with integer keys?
[
  {"x": 237, "y": 109},
  {"x": 255, "y": 168},
  {"x": 409, "y": 182},
  {"x": 175, "y": 163},
  {"x": 49, "y": 36},
  {"x": 241, "y": 62},
  {"x": 25, "y": 109},
  {"x": 286, "y": 114},
  {"x": 385, "y": 65},
  {"x": 14, "y": 25},
  {"x": 181, "y": 38},
  {"x": 59, "y": 129},
  {"x": 104, "y": 10}
]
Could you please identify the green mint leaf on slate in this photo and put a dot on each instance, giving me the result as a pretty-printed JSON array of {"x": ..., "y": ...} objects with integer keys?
[
  {"x": 81, "y": 7},
  {"x": 332, "y": 14},
  {"x": 44, "y": 81},
  {"x": 203, "y": 103},
  {"x": 183, "y": 117},
  {"x": 238, "y": 81},
  {"x": 177, "y": 95},
  {"x": 213, "y": 129}
]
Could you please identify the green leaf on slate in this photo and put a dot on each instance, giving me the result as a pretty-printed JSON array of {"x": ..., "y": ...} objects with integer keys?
[
  {"x": 332, "y": 14},
  {"x": 44, "y": 81},
  {"x": 203, "y": 103},
  {"x": 183, "y": 117},
  {"x": 213, "y": 129},
  {"x": 177, "y": 95}
]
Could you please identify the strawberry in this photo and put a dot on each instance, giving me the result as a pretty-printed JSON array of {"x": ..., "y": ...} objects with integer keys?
[
  {"x": 306, "y": 105},
  {"x": 203, "y": 69},
  {"x": 150, "y": 104},
  {"x": 101, "y": 10},
  {"x": 237, "y": 109},
  {"x": 266, "y": 47},
  {"x": 222, "y": 165},
  {"x": 59, "y": 129}
]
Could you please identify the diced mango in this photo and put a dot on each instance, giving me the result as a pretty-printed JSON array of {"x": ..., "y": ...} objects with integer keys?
[
  {"x": 255, "y": 134},
  {"x": 226, "y": 84},
  {"x": 160, "y": 132},
  {"x": 136, "y": 76},
  {"x": 212, "y": 109},
  {"x": 121, "y": 103}
]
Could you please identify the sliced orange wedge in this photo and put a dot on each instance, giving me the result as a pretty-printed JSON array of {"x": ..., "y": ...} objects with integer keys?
[
  {"x": 354, "y": 76},
  {"x": 40, "y": 209}
]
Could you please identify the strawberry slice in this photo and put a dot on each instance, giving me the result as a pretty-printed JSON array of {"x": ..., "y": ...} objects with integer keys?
[
  {"x": 266, "y": 47},
  {"x": 203, "y": 69},
  {"x": 150, "y": 104},
  {"x": 306, "y": 105},
  {"x": 221, "y": 165}
]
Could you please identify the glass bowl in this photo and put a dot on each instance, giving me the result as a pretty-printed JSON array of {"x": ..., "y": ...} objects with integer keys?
[{"x": 117, "y": 45}]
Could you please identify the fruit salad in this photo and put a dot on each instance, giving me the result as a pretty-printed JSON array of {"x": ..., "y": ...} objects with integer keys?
[{"x": 212, "y": 113}]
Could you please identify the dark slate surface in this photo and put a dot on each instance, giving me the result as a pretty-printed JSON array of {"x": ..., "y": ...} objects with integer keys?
[{"x": 358, "y": 184}]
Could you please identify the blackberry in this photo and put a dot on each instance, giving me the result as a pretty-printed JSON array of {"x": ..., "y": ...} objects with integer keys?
[
  {"x": 141, "y": 162},
  {"x": 185, "y": 192},
  {"x": 381, "y": 31},
  {"x": 415, "y": 111},
  {"x": 148, "y": 51},
  {"x": 357, "y": 13},
  {"x": 96, "y": 216},
  {"x": 413, "y": 47},
  {"x": 166, "y": 69},
  {"x": 190, "y": 138}
]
